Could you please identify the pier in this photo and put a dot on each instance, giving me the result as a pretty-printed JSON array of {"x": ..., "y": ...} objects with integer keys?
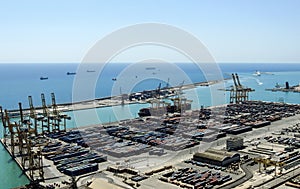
[{"x": 122, "y": 99}]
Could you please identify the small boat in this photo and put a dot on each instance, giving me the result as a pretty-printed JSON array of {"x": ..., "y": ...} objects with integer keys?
[
  {"x": 90, "y": 71},
  {"x": 257, "y": 73},
  {"x": 114, "y": 79},
  {"x": 43, "y": 78},
  {"x": 71, "y": 73}
]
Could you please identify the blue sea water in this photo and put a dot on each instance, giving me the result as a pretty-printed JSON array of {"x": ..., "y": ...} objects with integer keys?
[{"x": 18, "y": 81}]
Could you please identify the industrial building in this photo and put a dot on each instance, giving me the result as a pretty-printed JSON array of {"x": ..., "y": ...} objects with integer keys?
[
  {"x": 234, "y": 143},
  {"x": 217, "y": 157}
]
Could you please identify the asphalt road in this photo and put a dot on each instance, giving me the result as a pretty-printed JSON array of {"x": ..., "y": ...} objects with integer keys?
[
  {"x": 281, "y": 179},
  {"x": 248, "y": 175}
]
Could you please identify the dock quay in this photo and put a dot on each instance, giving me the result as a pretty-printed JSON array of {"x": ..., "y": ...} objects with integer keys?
[
  {"x": 124, "y": 99},
  {"x": 60, "y": 157},
  {"x": 286, "y": 88}
]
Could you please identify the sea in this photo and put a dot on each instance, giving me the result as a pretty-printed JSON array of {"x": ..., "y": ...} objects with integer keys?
[{"x": 18, "y": 81}]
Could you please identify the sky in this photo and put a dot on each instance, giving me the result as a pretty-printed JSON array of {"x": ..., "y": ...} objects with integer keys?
[{"x": 251, "y": 31}]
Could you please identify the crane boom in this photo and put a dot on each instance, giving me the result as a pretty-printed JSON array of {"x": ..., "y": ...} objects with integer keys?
[
  {"x": 32, "y": 110},
  {"x": 235, "y": 82},
  {"x": 238, "y": 80},
  {"x": 2, "y": 116},
  {"x": 21, "y": 112},
  {"x": 54, "y": 105},
  {"x": 45, "y": 108}
]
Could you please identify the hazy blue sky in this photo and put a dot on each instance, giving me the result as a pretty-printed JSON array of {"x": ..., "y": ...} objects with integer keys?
[{"x": 232, "y": 30}]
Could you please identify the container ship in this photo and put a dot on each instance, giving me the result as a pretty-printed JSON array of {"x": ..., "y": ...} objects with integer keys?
[{"x": 179, "y": 105}]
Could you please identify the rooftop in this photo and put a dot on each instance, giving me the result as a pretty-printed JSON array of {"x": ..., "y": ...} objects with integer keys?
[{"x": 217, "y": 155}]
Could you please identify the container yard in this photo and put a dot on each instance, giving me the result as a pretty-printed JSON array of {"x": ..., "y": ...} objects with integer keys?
[
  {"x": 190, "y": 178},
  {"x": 76, "y": 153},
  {"x": 184, "y": 149}
]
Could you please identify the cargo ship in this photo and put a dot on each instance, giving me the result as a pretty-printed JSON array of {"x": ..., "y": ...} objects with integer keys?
[
  {"x": 71, "y": 73},
  {"x": 158, "y": 111}
]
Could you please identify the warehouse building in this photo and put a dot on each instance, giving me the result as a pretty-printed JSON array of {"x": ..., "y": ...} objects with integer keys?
[{"x": 217, "y": 157}]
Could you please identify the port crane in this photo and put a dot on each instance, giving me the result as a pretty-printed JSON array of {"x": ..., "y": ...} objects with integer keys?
[
  {"x": 55, "y": 115},
  {"x": 10, "y": 129},
  {"x": 31, "y": 159},
  {"x": 238, "y": 92},
  {"x": 23, "y": 138},
  {"x": 5, "y": 127},
  {"x": 33, "y": 115},
  {"x": 180, "y": 103},
  {"x": 46, "y": 115},
  {"x": 268, "y": 162},
  {"x": 21, "y": 144},
  {"x": 58, "y": 116}
]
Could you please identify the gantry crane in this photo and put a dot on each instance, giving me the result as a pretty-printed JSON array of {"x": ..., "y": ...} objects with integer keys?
[
  {"x": 24, "y": 146},
  {"x": 268, "y": 162},
  {"x": 35, "y": 163},
  {"x": 55, "y": 110},
  {"x": 238, "y": 93},
  {"x": 243, "y": 90},
  {"x": 180, "y": 103},
  {"x": 33, "y": 115},
  {"x": 57, "y": 116},
  {"x": 158, "y": 107},
  {"x": 5, "y": 127},
  {"x": 22, "y": 134},
  {"x": 26, "y": 124},
  {"x": 12, "y": 132},
  {"x": 46, "y": 115},
  {"x": 36, "y": 117},
  {"x": 24, "y": 131},
  {"x": 30, "y": 160}
]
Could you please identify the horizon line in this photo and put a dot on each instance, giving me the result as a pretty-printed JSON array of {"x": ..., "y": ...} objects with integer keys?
[{"x": 151, "y": 62}]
